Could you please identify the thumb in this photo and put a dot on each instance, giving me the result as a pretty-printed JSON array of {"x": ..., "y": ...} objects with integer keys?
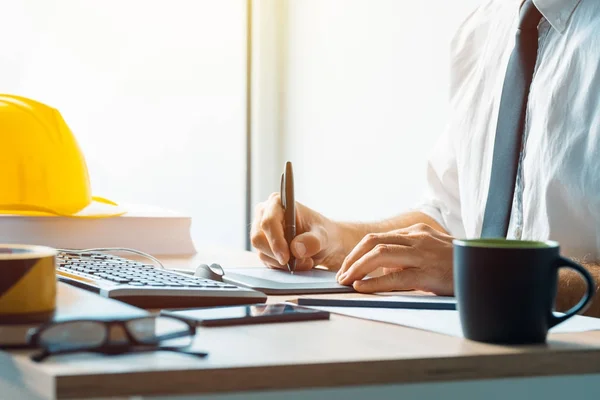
[
  {"x": 406, "y": 279},
  {"x": 309, "y": 243}
]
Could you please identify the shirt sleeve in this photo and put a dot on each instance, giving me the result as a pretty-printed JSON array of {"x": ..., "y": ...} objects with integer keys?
[{"x": 441, "y": 200}]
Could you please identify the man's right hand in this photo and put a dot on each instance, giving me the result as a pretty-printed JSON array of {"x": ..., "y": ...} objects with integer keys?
[{"x": 313, "y": 245}]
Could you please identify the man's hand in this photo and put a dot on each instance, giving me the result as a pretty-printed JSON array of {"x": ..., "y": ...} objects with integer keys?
[
  {"x": 315, "y": 243},
  {"x": 414, "y": 258}
]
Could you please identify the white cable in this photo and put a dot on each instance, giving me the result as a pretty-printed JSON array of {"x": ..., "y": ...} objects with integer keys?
[{"x": 109, "y": 249}]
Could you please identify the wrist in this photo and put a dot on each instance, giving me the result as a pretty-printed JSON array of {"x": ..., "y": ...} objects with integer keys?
[{"x": 342, "y": 238}]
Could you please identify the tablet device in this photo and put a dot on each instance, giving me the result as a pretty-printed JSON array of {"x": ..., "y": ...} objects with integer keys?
[
  {"x": 248, "y": 314},
  {"x": 278, "y": 281}
]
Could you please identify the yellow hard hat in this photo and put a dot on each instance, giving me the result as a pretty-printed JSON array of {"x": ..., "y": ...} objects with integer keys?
[{"x": 42, "y": 168}]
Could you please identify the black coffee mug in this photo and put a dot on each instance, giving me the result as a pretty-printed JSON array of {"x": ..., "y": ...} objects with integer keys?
[{"x": 505, "y": 289}]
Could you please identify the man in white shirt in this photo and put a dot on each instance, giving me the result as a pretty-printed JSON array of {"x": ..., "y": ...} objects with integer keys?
[{"x": 557, "y": 183}]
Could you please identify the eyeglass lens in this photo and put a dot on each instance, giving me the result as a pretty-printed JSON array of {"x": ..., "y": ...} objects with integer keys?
[
  {"x": 89, "y": 334},
  {"x": 159, "y": 329},
  {"x": 74, "y": 335}
]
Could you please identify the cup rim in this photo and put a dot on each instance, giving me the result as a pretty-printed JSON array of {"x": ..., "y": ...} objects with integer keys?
[
  {"x": 32, "y": 252},
  {"x": 492, "y": 243}
]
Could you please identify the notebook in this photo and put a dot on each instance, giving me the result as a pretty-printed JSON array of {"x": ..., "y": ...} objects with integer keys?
[{"x": 72, "y": 303}]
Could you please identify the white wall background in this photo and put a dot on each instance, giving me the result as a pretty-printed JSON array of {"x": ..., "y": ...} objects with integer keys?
[
  {"x": 154, "y": 91},
  {"x": 355, "y": 91},
  {"x": 365, "y": 98}
]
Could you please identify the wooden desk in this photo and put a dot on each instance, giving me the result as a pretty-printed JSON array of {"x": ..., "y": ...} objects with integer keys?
[{"x": 342, "y": 352}]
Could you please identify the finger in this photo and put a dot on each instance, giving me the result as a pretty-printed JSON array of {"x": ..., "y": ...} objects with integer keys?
[
  {"x": 257, "y": 237},
  {"x": 407, "y": 279},
  {"x": 255, "y": 231},
  {"x": 363, "y": 247},
  {"x": 259, "y": 242},
  {"x": 304, "y": 264},
  {"x": 309, "y": 243},
  {"x": 368, "y": 243},
  {"x": 382, "y": 255},
  {"x": 270, "y": 261},
  {"x": 272, "y": 226},
  {"x": 277, "y": 266}
]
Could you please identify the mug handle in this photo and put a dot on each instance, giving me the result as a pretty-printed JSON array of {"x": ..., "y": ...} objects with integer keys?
[{"x": 585, "y": 300}]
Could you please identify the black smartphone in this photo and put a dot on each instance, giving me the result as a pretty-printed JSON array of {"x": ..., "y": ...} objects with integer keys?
[{"x": 247, "y": 314}]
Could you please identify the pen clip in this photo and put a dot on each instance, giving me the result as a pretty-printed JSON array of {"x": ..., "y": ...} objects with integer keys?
[{"x": 282, "y": 191}]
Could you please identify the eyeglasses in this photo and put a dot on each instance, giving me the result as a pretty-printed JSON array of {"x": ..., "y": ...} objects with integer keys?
[{"x": 112, "y": 337}]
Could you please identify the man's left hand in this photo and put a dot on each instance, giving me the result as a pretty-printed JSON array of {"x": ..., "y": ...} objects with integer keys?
[{"x": 415, "y": 258}]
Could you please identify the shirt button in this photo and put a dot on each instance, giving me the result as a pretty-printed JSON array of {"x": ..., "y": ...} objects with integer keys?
[{"x": 518, "y": 232}]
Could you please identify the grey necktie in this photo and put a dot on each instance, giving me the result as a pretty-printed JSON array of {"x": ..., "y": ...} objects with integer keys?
[{"x": 511, "y": 122}]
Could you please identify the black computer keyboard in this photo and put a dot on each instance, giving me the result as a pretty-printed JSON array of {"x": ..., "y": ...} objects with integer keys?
[{"x": 146, "y": 285}]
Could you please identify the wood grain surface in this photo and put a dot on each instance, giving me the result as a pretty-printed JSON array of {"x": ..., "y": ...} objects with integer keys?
[{"x": 343, "y": 351}]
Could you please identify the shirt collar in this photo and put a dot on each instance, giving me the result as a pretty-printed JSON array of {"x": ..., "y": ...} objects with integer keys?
[{"x": 557, "y": 12}]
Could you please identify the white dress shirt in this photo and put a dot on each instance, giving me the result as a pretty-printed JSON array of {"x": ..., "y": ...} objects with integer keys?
[{"x": 557, "y": 195}]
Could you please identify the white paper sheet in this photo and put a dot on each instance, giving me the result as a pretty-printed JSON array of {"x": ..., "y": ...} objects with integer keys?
[{"x": 445, "y": 321}]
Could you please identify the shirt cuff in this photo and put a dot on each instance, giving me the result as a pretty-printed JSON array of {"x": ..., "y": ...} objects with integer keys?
[{"x": 434, "y": 213}]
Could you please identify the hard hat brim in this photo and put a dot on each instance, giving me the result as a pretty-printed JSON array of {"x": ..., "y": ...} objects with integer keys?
[{"x": 99, "y": 207}]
